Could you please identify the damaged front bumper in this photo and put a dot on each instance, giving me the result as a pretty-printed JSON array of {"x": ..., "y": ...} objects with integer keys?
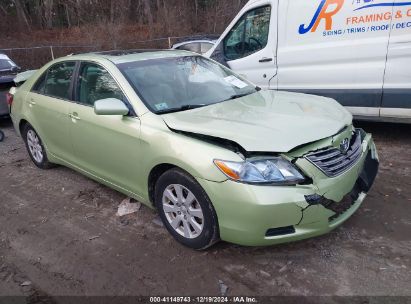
[{"x": 265, "y": 215}]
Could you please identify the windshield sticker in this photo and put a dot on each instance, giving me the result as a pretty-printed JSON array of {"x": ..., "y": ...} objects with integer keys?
[
  {"x": 235, "y": 82},
  {"x": 161, "y": 106}
]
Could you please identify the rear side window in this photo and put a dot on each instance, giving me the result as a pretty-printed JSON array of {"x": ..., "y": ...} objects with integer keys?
[
  {"x": 192, "y": 47},
  {"x": 39, "y": 86},
  {"x": 96, "y": 83},
  {"x": 205, "y": 47},
  {"x": 249, "y": 35},
  {"x": 56, "y": 81}
]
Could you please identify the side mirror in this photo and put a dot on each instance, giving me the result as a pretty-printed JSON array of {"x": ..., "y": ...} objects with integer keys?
[
  {"x": 110, "y": 106},
  {"x": 16, "y": 69}
]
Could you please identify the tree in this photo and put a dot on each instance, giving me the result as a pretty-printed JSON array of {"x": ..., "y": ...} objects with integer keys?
[
  {"x": 147, "y": 8},
  {"x": 23, "y": 22}
]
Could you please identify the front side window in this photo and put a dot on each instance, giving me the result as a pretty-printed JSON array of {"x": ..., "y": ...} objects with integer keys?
[
  {"x": 249, "y": 35},
  {"x": 56, "y": 81},
  {"x": 96, "y": 83},
  {"x": 181, "y": 83}
]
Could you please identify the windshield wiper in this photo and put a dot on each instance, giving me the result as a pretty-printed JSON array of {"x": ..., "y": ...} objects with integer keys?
[
  {"x": 239, "y": 95},
  {"x": 181, "y": 108}
]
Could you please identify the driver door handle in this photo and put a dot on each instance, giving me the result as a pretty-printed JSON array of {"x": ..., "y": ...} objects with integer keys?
[
  {"x": 265, "y": 59},
  {"x": 74, "y": 116}
]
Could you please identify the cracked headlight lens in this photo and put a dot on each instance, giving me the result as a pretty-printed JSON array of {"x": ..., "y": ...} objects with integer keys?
[{"x": 272, "y": 170}]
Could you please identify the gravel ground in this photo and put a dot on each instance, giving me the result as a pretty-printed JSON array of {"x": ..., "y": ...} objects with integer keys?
[{"x": 59, "y": 235}]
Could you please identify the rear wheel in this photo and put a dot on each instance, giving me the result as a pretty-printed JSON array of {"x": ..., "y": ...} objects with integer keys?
[
  {"x": 186, "y": 210},
  {"x": 35, "y": 148}
]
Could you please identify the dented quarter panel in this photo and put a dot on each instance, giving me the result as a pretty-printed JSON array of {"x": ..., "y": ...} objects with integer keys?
[{"x": 162, "y": 146}]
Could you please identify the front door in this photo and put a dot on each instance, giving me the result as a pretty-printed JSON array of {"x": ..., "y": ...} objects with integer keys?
[
  {"x": 105, "y": 146},
  {"x": 249, "y": 47}
]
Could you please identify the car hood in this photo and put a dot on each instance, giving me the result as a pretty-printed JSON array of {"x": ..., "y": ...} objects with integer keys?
[{"x": 267, "y": 121}]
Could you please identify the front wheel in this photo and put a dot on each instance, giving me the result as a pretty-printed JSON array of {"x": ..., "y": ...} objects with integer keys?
[
  {"x": 35, "y": 148},
  {"x": 186, "y": 210}
]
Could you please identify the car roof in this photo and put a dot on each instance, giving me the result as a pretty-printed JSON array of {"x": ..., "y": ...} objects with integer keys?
[{"x": 124, "y": 56}]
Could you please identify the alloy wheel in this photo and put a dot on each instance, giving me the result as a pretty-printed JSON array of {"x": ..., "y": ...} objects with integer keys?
[
  {"x": 36, "y": 150},
  {"x": 183, "y": 211}
]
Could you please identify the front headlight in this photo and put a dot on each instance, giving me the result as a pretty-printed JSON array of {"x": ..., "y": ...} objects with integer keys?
[{"x": 259, "y": 171}]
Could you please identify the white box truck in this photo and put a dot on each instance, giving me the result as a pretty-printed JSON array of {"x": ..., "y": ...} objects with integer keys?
[{"x": 355, "y": 51}]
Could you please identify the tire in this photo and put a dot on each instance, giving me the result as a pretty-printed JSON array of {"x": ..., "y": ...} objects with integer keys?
[
  {"x": 35, "y": 148},
  {"x": 189, "y": 217},
  {"x": 1, "y": 136}
]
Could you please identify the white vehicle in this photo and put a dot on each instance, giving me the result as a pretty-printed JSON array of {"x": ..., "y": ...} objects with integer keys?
[{"x": 355, "y": 51}]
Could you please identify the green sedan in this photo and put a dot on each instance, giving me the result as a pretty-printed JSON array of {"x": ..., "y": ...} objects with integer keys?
[{"x": 215, "y": 155}]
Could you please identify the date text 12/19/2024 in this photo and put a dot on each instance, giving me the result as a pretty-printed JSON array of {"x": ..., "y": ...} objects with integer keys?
[{"x": 221, "y": 299}]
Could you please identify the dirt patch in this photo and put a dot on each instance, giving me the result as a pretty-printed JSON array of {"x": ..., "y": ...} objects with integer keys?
[{"x": 59, "y": 231}]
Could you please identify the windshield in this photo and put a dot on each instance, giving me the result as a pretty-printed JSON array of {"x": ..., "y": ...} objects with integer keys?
[
  {"x": 182, "y": 83},
  {"x": 6, "y": 64}
]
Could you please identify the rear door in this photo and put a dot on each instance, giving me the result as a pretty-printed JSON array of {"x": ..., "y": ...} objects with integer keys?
[
  {"x": 249, "y": 46},
  {"x": 335, "y": 48},
  {"x": 48, "y": 104},
  {"x": 397, "y": 85}
]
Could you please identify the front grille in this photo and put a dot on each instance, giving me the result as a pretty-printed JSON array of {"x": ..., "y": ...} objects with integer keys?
[{"x": 332, "y": 161}]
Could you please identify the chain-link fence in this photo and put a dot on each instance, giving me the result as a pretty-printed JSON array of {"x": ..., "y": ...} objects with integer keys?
[{"x": 35, "y": 57}]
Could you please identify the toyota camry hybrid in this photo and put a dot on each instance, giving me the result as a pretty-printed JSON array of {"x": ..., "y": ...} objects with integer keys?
[{"x": 218, "y": 157}]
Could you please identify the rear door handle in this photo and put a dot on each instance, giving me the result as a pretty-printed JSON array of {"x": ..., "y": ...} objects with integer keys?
[
  {"x": 265, "y": 59},
  {"x": 32, "y": 102}
]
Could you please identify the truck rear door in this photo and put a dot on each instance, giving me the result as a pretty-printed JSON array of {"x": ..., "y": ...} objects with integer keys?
[{"x": 396, "y": 100}]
